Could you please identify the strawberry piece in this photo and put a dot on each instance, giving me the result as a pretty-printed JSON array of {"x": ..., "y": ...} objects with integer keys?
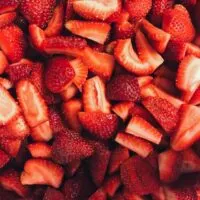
[
  {"x": 43, "y": 172},
  {"x": 118, "y": 156},
  {"x": 69, "y": 146},
  {"x": 96, "y": 31},
  {"x": 5, "y": 158},
  {"x": 69, "y": 11},
  {"x": 135, "y": 144},
  {"x": 69, "y": 93},
  {"x": 144, "y": 80},
  {"x": 163, "y": 111},
  {"x": 98, "y": 10},
  {"x": 3, "y": 62},
  {"x": 59, "y": 74},
  {"x": 7, "y": 18},
  {"x": 123, "y": 88},
  {"x": 166, "y": 72},
  {"x": 8, "y": 6},
  {"x": 97, "y": 168},
  {"x": 53, "y": 194},
  {"x": 138, "y": 9},
  {"x": 19, "y": 70},
  {"x": 143, "y": 129},
  {"x": 12, "y": 42},
  {"x": 98, "y": 195},
  {"x": 55, "y": 25},
  {"x": 98, "y": 124},
  {"x": 72, "y": 168},
  {"x": 94, "y": 98},
  {"x": 37, "y": 12},
  {"x": 40, "y": 150},
  {"x": 176, "y": 21},
  {"x": 101, "y": 64},
  {"x": 71, "y": 109},
  {"x": 138, "y": 176},
  {"x": 81, "y": 72},
  {"x": 195, "y": 100}
]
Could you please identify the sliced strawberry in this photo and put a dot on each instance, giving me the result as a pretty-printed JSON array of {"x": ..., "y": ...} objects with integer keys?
[
  {"x": 72, "y": 168},
  {"x": 118, "y": 156},
  {"x": 98, "y": 195},
  {"x": 98, "y": 10},
  {"x": 8, "y": 6},
  {"x": 195, "y": 100},
  {"x": 69, "y": 146},
  {"x": 59, "y": 74},
  {"x": 101, "y": 64},
  {"x": 96, "y": 31},
  {"x": 123, "y": 88},
  {"x": 12, "y": 42},
  {"x": 71, "y": 109},
  {"x": 39, "y": 150},
  {"x": 3, "y": 62},
  {"x": 135, "y": 144},
  {"x": 138, "y": 176},
  {"x": 141, "y": 128},
  {"x": 144, "y": 80},
  {"x": 166, "y": 72},
  {"x": 81, "y": 72},
  {"x": 43, "y": 172},
  {"x": 176, "y": 21},
  {"x": 55, "y": 25},
  {"x": 7, "y": 18},
  {"x": 94, "y": 98},
  {"x": 53, "y": 194},
  {"x": 37, "y": 12},
  {"x": 69, "y": 93},
  {"x": 5, "y": 158}
]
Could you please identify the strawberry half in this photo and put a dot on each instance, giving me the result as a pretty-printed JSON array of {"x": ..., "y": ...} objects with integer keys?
[
  {"x": 7, "y": 18},
  {"x": 5, "y": 158},
  {"x": 53, "y": 194},
  {"x": 100, "y": 125}
]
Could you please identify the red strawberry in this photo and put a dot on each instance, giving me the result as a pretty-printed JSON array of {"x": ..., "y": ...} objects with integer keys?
[
  {"x": 5, "y": 158},
  {"x": 8, "y": 6},
  {"x": 69, "y": 11},
  {"x": 7, "y": 18},
  {"x": 69, "y": 146},
  {"x": 12, "y": 42},
  {"x": 98, "y": 195},
  {"x": 3, "y": 62},
  {"x": 53, "y": 194},
  {"x": 98, "y": 124},
  {"x": 135, "y": 144},
  {"x": 123, "y": 88},
  {"x": 176, "y": 21},
  {"x": 94, "y": 98},
  {"x": 195, "y": 100},
  {"x": 72, "y": 168},
  {"x": 144, "y": 80},
  {"x": 138, "y": 9},
  {"x": 42, "y": 172},
  {"x": 37, "y": 12},
  {"x": 69, "y": 93},
  {"x": 141, "y": 128},
  {"x": 96, "y": 31},
  {"x": 138, "y": 176}
]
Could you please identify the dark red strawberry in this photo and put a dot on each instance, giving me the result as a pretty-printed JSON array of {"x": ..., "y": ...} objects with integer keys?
[
  {"x": 7, "y": 18},
  {"x": 8, "y": 6},
  {"x": 4, "y": 159},
  {"x": 98, "y": 195},
  {"x": 53, "y": 194}
]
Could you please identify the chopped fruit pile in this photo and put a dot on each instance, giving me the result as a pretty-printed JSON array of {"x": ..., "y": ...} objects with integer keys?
[{"x": 99, "y": 99}]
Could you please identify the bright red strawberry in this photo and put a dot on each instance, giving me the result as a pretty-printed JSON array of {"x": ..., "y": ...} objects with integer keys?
[
  {"x": 98, "y": 195},
  {"x": 42, "y": 172},
  {"x": 138, "y": 176},
  {"x": 59, "y": 74},
  {"x": 141, "y": 128},
  {"x": 69, "y": 146},
  {"x": 94, "y": 98},
  {"x": 138, "y": 9},
  {"x": 72, "y": 168},
  {"x": 195, "y": 100},
  {"x": 37, "y": 12},
  {"x": 176, "y": 21},
  {"x": 8, "y": 6},
  {"x": 3, "y": 62},
  {"x": 53, "y": 194},
  {"x": 135, "y": 144},
  {"x": 7, "y": 18},
  {"x": 96, "y": 31},
  {"x": 12, "y": 42},
  {"x": 5, "y": 158},
  {"x": 123, "y": 88},
  {"x": 69, "y": 93}
]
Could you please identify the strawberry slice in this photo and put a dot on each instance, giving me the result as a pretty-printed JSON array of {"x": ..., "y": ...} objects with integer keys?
[
  {"x": 39, "y": 150},
  {"x": 43, "y": 172},
  {"x": 7, "y": 18},
  {"x": 96, "y": 31},
  {"x": 72, "y": 168},
  {"x": 118, "y": 156},
  {"x": 141, "y": 128},
  {"x": 123, "y": 88},
  {"x": 135, "y": 144},
  {"x": 3, "y": 62},
  {"x": 53, "y": 194},
  {"x": 8, "y": 6},
  {"x": 195, "y": 100},
  {"x": 69, "y": 93},
  {"x": 12, "y": 42},
  {"x": 37, "y": 12},
  {"x": 144, "y": 80},
  {"x": 71, "y": 109},
  {"x": 97, "y": 9},
  {"x": 98, "y": 124},
  {"x": 98, "y": 195},
  {"x": 176, "y": 21},
  {"x": 94, "y": 98}
]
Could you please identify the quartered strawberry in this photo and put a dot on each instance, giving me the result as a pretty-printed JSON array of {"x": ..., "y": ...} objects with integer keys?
[
  {"x": 176, "y": 21},
  {"x": 195, "y": 100},
  {"x": 141, "y": 128},
  {"x": 94, "y": 98},
  {"x": 96, "y": 31},
  {"x": 69, "y": 93},
  {"x": 8, "y": 6},
  {"x": 98, "y": 195},
  {"x": 72, "y": 168},
  {"x": 138, "y": 176},
  {"x": 59, "y": 74},
  {"x": 53, "y": 194},
  {"x": 71, "y": 109},
  {"x": 7, "y": 18},
  {"x": 3, "y": 62},
  {"x": 135, "y": 144},
  {"x": 69, "y": 146},
  {"x": 98, "y": 124},
  {"x": 12, "y": 42},
  {"x": 123, "y": 88},
  {"x": 42, "y": 172},
  {"x": 37, "y": 12}
]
